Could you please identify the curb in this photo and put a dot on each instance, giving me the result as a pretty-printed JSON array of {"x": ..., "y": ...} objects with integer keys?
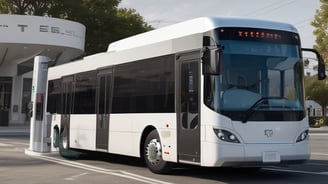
[{"x": 38, "y": 154}]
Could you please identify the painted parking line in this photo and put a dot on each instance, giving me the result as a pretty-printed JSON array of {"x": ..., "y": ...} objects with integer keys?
[
  {"x": 319, "y": 134},
  {"x": 5, "y": 145},
  {"x": 119, "y": 173},
  {"x": 295, "y": 171},
  {"x": 320, "y": 154},
  {"x": 316, "y": 164},
  {"x": 73, "y": 178}
]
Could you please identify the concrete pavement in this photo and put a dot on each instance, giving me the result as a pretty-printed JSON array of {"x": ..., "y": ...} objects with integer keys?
[
  {"x": 15, "y": 130},
  {"x": 323, "y": 129}
]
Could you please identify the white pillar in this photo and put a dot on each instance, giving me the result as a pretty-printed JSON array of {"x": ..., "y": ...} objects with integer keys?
[{"x": 38, "y": 132}]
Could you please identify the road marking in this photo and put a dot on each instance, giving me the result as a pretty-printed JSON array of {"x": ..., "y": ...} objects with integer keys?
[
  {"x": 5, "y": 145},
  {"x": 295, "y": 171},
  {"x": 318, "y": 134},
  {"x": 321, "y": 154},
  {"x": 72, "y": 178},
  {"x": 19, "y": 143},
  {"x": 118, "y": 173},
  {"x": 9, "y": 141},
  {"x": 316, "y": 164}
]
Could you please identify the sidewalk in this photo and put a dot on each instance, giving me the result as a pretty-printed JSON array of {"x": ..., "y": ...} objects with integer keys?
[
  {"x": 15, "y": 130},
  {"x": 323, "y": 129}
]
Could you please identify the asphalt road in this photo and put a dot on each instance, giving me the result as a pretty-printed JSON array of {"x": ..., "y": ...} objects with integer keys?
[{"x": 18, "y": 168}]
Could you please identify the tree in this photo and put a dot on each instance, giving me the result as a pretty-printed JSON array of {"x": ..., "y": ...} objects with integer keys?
[
  {"x": 317, "y": 90},
  {"x": 105, "y": 22},
  {"x": 27, "y": 7},
  {"x": 321, "y": 26}
]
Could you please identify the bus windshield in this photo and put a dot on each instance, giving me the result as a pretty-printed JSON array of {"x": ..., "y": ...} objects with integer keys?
[{"x": 259, "y": 81}]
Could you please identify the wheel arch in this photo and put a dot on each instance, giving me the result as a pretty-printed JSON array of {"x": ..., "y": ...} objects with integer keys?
[{"x": 145, "y": 132}]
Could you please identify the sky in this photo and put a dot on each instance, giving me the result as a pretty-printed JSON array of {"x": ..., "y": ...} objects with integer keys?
[{"x": 160, "y": 13}]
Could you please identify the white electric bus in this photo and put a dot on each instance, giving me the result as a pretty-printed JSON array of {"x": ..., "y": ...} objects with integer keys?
[{"x": 209, "y": 91}]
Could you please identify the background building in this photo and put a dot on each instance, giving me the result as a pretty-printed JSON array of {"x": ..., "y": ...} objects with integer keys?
[
  {"x": 313, "y": 108},
  {"x": 22, "y": 38}
]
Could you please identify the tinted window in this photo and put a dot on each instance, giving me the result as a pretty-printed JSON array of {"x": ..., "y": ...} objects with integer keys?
[
  {"x": 54, "y": 92},
  {"x": 67, "y": 95},
  {"x": 144, "y": 86},
  {"x": 85, "y": 93}
]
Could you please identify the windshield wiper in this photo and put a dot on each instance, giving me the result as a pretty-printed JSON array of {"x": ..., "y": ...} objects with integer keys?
[{"x": 251, "y": 110}]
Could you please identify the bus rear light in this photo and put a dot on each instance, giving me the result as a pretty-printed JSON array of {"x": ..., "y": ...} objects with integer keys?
[
  {"x": 303, "y": 136},
  {"x": 226, "y": 136}
]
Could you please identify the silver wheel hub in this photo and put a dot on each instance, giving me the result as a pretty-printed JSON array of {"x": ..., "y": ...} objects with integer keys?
[{"x": 154, "y": 152}]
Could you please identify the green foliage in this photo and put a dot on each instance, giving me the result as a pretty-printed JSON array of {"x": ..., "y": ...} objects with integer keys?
[
  {"x": 317, "y": 90},
  {"x": 27, "y": 7},
  {"x": 105, "y": 22},
  {"x": 318, "y": 122},
  {"x": 321, "y": 26}
]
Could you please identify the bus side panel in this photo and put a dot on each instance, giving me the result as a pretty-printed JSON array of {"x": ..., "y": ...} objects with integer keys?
[
  {"x": 126, "y": 131},
  {"x": 83, "y": 131}
]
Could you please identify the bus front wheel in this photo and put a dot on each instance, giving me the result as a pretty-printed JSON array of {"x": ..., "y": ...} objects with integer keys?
[{"x": 153, "y": 154}]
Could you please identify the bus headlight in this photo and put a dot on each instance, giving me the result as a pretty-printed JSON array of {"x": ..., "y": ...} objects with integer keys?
[
  {"x": 226, "y": 136},
  {"x": 304, "y": 135}
]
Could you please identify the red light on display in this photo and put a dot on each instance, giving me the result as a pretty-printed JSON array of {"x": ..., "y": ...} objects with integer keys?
[
  {"x": 258, "y": 35},
  {"x": 265, "y": 35}
]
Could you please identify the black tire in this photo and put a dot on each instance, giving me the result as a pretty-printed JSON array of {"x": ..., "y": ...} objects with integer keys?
[
  {"x": 64, "y": 150},
  {"x": 153, "y": 154}
]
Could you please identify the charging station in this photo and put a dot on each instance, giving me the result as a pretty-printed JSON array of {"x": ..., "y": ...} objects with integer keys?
[{"x": 40, "y": 125}]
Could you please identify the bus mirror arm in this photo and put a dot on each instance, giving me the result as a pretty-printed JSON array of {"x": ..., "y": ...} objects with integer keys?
[
  {"x": 321, "y": 63},
  {"x": 212, "y": 59}
]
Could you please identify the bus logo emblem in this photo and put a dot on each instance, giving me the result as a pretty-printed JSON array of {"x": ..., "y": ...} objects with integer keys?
[{"x": 268, "y": 133}]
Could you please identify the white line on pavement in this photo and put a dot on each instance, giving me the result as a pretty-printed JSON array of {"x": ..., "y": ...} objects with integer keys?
[
  {"x": 295, "y": 171},
  {"x": 118, "y": 173},
  {"x": 320, "y": 154},
  {"x": 73, "y": 178}
]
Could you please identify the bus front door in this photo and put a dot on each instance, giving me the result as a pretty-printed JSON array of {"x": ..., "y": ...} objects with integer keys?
[
  {"x": 104, "y": 80},
  {"x": 188, "y": 108}
]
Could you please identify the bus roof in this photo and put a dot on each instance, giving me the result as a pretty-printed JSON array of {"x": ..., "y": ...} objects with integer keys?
[
  {"x": 194, "y": 26},
  {"x": 176, "y": 38}
]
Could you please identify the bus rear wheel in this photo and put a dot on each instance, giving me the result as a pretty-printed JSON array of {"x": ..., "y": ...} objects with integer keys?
[{"x": 153, "y": 154}]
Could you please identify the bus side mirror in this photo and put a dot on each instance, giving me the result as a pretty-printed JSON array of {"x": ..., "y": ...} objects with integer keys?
[
  {"x": 211, "y": 62},
  {"x": 212, "y": 57},
  {"x": 321, "y": 63}
]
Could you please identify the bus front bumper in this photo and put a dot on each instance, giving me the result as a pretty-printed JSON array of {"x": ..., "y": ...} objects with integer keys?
[{"x": 233, "y": 154}]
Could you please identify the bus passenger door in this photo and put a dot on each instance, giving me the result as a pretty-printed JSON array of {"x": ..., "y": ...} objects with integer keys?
[
  {"x": 103, "y": 102},
  {"x": 188, "y": 108}
]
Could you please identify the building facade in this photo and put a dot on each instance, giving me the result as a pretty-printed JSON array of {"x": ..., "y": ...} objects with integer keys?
[{"x": 22, "y": 38}]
